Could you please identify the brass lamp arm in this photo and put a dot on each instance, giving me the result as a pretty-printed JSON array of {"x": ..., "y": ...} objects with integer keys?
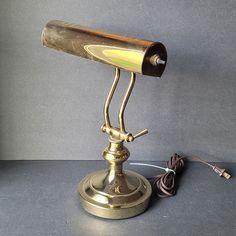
[
  {"x": 119, "y": 133},
  {"x": 125, "y": 101},
  {"x": 109, "y": 98}
]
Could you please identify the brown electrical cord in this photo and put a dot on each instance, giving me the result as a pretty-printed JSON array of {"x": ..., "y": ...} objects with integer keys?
[{"x": 164, "y": 184}]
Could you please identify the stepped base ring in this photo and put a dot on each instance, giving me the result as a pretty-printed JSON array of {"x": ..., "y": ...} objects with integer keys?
[{"x": 96, "y": 200}]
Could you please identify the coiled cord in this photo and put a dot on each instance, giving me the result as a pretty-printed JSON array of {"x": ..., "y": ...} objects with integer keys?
[{"x": 164, "y": 185}]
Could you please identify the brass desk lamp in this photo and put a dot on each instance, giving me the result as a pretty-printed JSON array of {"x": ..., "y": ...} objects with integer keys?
[{"x": 112, "y": 193}]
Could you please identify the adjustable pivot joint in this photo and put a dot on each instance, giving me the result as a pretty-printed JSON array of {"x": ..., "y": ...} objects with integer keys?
[{"x": 115, "y": 133}]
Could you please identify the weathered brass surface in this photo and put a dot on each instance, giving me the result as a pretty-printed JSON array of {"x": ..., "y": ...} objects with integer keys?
[
  {"x": 112, "y": 193},
  {"x": 124, "y": 52}
]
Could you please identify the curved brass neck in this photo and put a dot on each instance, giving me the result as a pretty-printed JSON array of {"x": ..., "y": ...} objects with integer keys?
[
  {"x": 119, "y": 133},
  {"x": 109, "y": 98}
]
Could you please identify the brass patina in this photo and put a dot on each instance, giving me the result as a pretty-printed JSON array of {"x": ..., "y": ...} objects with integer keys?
[
  {"x": 132, "y": 54},
  {"x": 112, "y": 193}
]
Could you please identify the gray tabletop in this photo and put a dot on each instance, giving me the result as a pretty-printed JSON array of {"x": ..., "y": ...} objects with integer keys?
[{"x": 40, "y": 198}]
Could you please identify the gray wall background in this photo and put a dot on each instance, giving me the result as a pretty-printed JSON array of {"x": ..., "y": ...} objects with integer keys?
[{"x": 51, "y": 102}]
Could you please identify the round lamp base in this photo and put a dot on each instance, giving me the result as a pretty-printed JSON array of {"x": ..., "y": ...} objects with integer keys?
[{"x": 113, "y": 196}]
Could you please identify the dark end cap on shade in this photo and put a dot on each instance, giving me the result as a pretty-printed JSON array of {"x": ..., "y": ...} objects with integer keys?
[{"x": 153, "y": 68}]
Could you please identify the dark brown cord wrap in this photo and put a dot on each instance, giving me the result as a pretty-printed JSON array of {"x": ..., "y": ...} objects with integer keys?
[{"x": 164, "y": 184}]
